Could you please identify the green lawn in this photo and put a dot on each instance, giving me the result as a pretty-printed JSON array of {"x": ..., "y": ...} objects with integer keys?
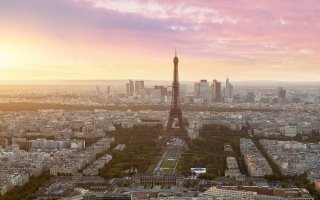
[
  {"x": 166, "y": 171},
  {"x": 168, "y": 164}
]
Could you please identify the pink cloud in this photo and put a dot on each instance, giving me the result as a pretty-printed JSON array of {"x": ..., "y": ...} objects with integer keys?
[{"x": 234, "y": 31}]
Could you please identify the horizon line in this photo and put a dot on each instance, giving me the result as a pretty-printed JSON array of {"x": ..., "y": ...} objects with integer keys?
[{"x": 51, "y": 80}]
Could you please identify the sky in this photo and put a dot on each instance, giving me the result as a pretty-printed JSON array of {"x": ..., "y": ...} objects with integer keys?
[{"x": 122, "y": 39}]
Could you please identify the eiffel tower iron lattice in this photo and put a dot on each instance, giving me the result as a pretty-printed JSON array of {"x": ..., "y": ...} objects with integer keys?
[{"x": 175, "y": 112}]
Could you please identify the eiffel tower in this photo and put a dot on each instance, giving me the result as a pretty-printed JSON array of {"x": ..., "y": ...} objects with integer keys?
[{"x": 175, "y": 112}]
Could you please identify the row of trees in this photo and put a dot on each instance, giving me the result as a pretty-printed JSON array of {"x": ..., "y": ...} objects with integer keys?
[
  {"x": 277, "y": 176},
  {"x": 23, "y": 192},
  {"x": 18, "y": 106},
  {"x": 313, "y": 137},
  {"x": 274, "y": 166}
]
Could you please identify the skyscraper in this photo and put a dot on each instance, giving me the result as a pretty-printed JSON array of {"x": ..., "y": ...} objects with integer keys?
[
  {"x": 139, "y": 85},
  {"x": 196, "y": 89},
  {"x": 228, "y": 93},
  {"x": 216, "y": 91},
  {"x": 205, "y": 92},
  {"x": 160, "y": 92},
  {"x": 162, "y": 89},
  {"x": 129, "y": 87},
  {"x": 202, "y": 90}
]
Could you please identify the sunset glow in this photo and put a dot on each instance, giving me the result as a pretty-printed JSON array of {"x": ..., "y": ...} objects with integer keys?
[{"x": 121, "y": 39}]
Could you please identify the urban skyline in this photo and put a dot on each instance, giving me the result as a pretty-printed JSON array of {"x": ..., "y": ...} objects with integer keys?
[
  {"x": 92, "y": 106},
  {"x": 213, "y": 144},
  {"x": 265, "y": 40}
]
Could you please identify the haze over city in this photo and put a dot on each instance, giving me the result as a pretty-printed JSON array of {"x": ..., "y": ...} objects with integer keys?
[
  {"x": 159, "y": 100},
  {"x": 121, "y": 39}
]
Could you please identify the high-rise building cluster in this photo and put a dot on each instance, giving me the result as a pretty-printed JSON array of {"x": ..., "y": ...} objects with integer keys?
[
  {"x": 204, "y": 93},
  {"x": 54, "y": 141},
  {"x": 216, "y": 91},
  {"x": 134, "y": 87}
]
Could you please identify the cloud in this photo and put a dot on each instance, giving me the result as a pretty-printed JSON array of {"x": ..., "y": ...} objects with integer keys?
[
  {"x": 234, "y": 32},
  {"x": 282, "y": 21},
  {"x": 178, "y": 28},
  {"x": 306, "y": 51},
  {"x": 156, "y": 10}
]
